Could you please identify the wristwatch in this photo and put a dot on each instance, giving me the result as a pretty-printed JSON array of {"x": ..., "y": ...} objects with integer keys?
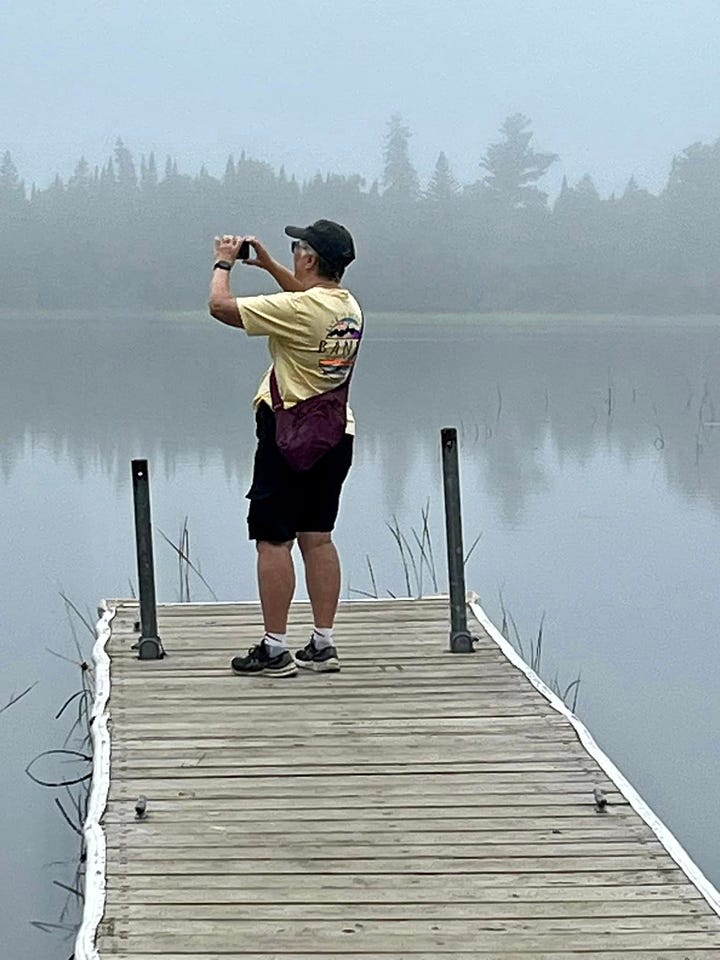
[{"x": 222, "y": 265}]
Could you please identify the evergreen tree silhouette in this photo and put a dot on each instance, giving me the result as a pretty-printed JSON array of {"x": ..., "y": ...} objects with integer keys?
[
  {"x": 513, "y": 167},
  {"x": 443, "y": 187},
  {"x": 400, "y": 180}
]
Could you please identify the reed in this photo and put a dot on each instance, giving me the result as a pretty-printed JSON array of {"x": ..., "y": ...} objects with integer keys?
[
  {"x": 72, "y": 804},
  {"x": 15, "y": 698},
  {"x": 185, "y": 564},
  {"x": 535, "y": 656},
  {"x": 417, "y": 558}
]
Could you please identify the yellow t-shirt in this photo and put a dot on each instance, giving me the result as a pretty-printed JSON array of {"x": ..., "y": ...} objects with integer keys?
[{"x": 313, "y": 336}]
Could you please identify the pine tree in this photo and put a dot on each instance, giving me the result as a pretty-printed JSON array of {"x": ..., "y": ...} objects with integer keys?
[
  {"x": 126, "y": 176},
  {"x": 81, "y": 179},
  {"x": 107, "y": 174},
  {"x": 631, "y": 188},
  {"x": 10, "y": 183},
  {"x": 443, "y": 186},
  {"x": 695, "y": 176},
  {"x": 399, "y": 177},
  {"x": 148, "y": 174},
  {"x": 513, "y": 167}
]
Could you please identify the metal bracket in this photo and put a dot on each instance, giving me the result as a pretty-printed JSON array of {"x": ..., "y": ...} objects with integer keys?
[
  {"x": 149, "y": 648},
  {"x": 462, "y": 642}
]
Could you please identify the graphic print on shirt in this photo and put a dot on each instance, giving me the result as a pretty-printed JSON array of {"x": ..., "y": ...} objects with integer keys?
[{"x": 338, "y": 349}]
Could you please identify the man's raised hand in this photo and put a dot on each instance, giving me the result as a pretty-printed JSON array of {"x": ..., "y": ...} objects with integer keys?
[
  {"x": 227, "y": 247},
  {"x": 262, "y": 258}
]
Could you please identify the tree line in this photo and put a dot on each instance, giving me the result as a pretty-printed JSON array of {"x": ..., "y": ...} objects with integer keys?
[{"x": 128, "y": 235}]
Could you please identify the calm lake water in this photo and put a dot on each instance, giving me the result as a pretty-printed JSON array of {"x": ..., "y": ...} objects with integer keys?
[{"x": 590, "y": 463}]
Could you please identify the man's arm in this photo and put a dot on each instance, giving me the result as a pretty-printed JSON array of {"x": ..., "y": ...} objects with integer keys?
[{"x": 222, "y": 304}]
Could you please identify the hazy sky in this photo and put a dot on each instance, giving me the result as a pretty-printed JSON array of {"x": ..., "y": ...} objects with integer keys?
[{"x": 614, "y": 87}]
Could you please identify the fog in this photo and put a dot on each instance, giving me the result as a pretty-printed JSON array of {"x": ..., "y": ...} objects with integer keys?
[
  {"x": 554, "y": 161},
  {"x": 614, "y": 88}
]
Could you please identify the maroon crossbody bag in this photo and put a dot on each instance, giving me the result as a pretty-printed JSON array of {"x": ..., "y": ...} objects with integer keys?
[{"x": 311, "y": 427}]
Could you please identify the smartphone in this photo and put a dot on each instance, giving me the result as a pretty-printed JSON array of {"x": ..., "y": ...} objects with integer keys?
[{"x": 245, "y": 252}]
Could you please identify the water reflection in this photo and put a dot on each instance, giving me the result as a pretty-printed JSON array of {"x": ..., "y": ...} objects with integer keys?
[{"x": 100, "y": 391}]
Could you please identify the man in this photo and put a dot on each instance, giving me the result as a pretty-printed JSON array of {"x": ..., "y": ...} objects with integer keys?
[{"x": 313, "y": 332}]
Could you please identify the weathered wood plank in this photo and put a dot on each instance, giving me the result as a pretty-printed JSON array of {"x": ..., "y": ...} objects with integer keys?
[
  {"x": 201, "y": 718},
  {"x": 164, "y": 836},
  {"x": 558, "y": 863},
  {"x": 666, "y": 911},
  {"x": 193, "y": 817},
  {"x": 569, "y": 781},
  {"x": 228, "y": 809},
  {"x": 499, "y": 930},
  {"x": 294, "y": 847},
  {"x": 186, "y": 788},
  {"x": 436, "y": 726},
  {"x": 603, "y": 885},
  {"x": 395, "y": 936},
  {"x": 120, "y": 952}
]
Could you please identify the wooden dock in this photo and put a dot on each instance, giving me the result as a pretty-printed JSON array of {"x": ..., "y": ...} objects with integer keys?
[{"x": 417, "y": 805}]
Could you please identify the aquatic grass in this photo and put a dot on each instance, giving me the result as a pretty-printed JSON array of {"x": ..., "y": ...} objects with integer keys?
[
  {"x": 372, "y": 576},
  {"x": 417, "y": 558},
  {"x": 534, "y": 659},
  {"x": 16, "y": 698},
  {"x": 537, "y": 651},
  {"x": 73, "y": 826},
  {"x": 85, "y": 695},
  {"x": 398, "y": 538},
  {"x": 69, "y": 605},
  {"x": 184, "y": 558},
  {"x": 72, "y": 806},
  {"x": 64, "y": 886},
  {"x": 575, "y": 685},
  {"x": 67, "y": 928},
  {"x": 475, "y": 542},
  {"x": 75, "y": 755},
  {"x": 185, "y": 565},
  {"x": 507, "y": 616},
  {"x": 425, "y": 544}
]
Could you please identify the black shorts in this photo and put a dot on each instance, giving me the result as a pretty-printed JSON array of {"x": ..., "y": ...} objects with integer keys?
[{"x": 284, "y": 502}]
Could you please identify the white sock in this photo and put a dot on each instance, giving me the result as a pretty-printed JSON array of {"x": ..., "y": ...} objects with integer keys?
[
  {"x": 276, "y": 643},
  {"x": 322, "y": 637}
]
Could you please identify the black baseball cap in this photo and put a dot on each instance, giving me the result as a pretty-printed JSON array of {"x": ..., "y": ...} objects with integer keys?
[{"x": 332, "y": 241}]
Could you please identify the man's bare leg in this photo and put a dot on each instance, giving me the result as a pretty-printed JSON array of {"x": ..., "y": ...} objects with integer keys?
[
  {"x": 276, "y": 583},
  {"x": 322, "y": 576}
]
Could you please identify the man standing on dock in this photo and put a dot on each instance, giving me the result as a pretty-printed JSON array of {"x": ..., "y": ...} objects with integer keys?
[{"x": 314, "y": 330}]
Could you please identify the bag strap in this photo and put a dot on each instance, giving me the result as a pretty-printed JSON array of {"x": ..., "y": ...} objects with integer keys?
[{"x": 277, "y": 403}]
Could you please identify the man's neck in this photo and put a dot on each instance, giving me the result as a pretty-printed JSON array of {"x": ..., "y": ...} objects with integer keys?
[{"x": 313, "y": 280}]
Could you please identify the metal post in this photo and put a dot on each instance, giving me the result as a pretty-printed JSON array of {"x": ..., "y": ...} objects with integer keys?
[
  {"x": 460, "y": 639},
  {"x": 149, "y": 646}
]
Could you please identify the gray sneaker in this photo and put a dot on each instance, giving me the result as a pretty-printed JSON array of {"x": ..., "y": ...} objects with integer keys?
[{"x": 323, "y": 660}]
